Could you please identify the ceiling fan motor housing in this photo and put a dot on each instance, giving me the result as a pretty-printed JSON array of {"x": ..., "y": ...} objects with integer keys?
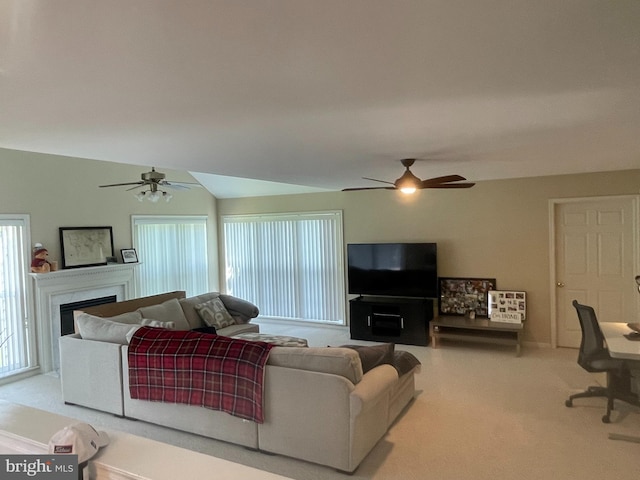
[
  {"x": 153, "y": 176},
  {"x": 408, "y": 179}
]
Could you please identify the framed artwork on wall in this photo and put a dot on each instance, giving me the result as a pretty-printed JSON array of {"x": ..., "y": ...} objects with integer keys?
[
  {"x": 465, "y": 296},
  {"x": 85, "y": 246}
]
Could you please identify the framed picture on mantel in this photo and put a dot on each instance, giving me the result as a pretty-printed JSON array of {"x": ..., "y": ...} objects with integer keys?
[
  {"x": 129, "y": 255},
  {"x": 85, "y": 246},
  {"x": 465, "y": 296}
]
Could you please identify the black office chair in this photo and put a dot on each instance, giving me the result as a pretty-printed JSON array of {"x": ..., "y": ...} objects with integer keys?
[{"x": 594, "y": 357}]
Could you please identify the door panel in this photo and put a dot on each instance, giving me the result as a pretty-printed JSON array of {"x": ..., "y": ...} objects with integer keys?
[{"x": 595, "y": 262}]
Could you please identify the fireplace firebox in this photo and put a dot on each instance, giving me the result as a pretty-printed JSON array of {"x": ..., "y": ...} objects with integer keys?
[{"x": 66, "y": 311}]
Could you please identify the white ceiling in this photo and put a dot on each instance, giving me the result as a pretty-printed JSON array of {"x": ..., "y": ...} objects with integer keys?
[{"x": 319, "y": 93}]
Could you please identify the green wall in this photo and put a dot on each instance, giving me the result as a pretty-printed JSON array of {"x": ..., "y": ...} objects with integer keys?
[{"x": 59, "y": 191}]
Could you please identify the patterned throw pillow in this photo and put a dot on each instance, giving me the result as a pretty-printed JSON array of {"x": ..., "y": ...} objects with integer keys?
[
  {"x": 214, "y": 313},
  {"x": 148, "y": 322}
]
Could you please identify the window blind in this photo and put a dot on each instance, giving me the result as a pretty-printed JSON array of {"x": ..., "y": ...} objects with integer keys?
[
  {"x": 15, "y": 345},
  {"x": 173, "y": 254},
  {"x": 290, "y": 265}
]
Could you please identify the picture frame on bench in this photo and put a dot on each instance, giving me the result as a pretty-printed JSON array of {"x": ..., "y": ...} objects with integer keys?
[
  {"x": 465, "y": 296},
  {"x": 85, "y": 246}
]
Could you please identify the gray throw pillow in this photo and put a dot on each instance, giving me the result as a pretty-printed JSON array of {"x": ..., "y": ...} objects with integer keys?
[
  {"x": 405, "y": 362},
  {"x": 373, "y": 355},
  {"x": 214, "y": 313}
]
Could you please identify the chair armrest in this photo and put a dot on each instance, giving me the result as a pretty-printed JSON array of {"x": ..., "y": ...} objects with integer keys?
[{"x": 91, "y": 373}]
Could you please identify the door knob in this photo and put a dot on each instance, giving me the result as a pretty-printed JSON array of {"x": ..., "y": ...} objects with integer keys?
[{"x": 560, "y": 284}]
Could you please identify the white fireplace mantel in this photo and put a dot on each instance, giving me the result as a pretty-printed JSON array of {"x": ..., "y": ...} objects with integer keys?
[{"x": 73, "y": 285}]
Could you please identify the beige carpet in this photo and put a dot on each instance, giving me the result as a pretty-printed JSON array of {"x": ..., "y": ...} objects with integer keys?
[{"x": 479, "y": 413}]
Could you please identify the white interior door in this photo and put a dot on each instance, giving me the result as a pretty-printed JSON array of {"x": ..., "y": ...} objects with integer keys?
[{"x": 596, "y": 262}]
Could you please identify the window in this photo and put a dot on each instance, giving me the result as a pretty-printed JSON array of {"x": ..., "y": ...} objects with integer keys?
[
  {"x": 173, "y": 254},
  {"x": 290, "y": 265},
  {"x": 17, "y": 350}
]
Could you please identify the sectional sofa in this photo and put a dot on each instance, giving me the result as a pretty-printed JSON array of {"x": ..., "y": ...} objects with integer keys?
[{"x": 319, "y": 403}]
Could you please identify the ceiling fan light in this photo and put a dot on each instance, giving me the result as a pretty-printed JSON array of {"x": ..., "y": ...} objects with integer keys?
[
  {"x": 140, "y": 196},
  {"x": 408, "y": 182},
  {"x": 154, "y": 196},
  {"x": 167, "y": 196}
]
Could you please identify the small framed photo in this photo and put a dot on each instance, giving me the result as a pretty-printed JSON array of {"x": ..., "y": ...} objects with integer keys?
[{"x": 129, "y": 255}]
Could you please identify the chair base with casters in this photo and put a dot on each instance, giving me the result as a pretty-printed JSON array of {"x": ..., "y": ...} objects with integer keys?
[
  {"x": 618, "y": 388},
  {"x": 593, "y": 391}
]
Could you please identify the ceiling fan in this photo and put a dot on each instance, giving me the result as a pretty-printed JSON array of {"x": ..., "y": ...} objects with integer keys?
[
  {"x": 409, "y": 183},
  {"x": 154, "y": 180}
]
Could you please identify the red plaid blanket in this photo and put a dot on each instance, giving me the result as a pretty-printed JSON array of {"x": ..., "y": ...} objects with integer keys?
[{"x": 211, "y": 371}]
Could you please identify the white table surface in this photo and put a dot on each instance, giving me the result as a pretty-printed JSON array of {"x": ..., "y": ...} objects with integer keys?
[
  {"x": 26, "y": 430},
  {"x": 619, "y": 346}
]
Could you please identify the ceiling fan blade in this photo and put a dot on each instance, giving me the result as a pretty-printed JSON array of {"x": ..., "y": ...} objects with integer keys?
[
  {"x": 179, "y": 185},
  {"x": 122, "y": 184},
  {"x": 445, "y": 179},
  {"x": 450, "y": 185},
  {"x": 175, "y": 186},
  {"x": 137, "y": 186},
  {"x": 367, "y": 188},
  {"x": 376, "y": 180}
]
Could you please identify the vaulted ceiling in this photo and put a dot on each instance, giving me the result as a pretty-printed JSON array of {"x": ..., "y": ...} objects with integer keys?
[{"x": 306, "y": 95}]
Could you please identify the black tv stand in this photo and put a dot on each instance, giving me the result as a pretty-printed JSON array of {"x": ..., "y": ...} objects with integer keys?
[{"x": 391, "y": 319}]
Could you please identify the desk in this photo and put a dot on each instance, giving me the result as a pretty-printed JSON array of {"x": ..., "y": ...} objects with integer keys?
[{"x": 621, "y": 347}]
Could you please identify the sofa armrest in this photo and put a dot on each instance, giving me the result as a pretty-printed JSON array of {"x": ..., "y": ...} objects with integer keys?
[
  {"x": 91, "y": 373},
  {"x": 372, "y": 387},
  {"x": 239, "y": 308}
]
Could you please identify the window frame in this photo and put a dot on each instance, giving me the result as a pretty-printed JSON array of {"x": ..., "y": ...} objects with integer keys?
[
  {"x": 169, "y": 220},
  {"x": 340, "y": 294},
  {"x": 29, "y": 322}
]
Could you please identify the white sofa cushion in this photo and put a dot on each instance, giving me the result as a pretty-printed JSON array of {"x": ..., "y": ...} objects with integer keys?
[
  {"x": 169, "y": 311},
  {"x": 335, "y": 360},
  {"x": 103, "y": 329},
  {"x": 129, "y": 318}
]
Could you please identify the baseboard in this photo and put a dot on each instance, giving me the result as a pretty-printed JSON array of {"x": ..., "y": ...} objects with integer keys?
[{"x": 298, "y": 323}]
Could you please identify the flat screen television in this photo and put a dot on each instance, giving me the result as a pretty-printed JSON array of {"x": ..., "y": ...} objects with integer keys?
[{"x": 393, "y": 269}]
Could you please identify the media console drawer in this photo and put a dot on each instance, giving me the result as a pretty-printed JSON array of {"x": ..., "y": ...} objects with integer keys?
[{"x": 476, "y": 330}]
